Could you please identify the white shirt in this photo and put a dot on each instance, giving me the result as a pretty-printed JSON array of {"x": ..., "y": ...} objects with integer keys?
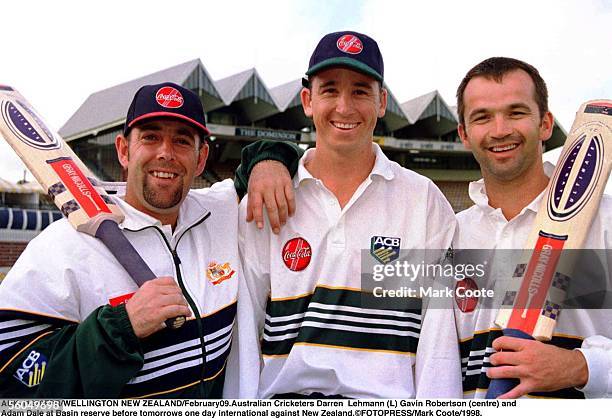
[
  {"x": 318, "y": 335},
  {"x": 484, "y": 227}
]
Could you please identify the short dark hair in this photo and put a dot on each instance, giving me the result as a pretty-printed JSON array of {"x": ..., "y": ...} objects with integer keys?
[{"x": 496, "y": 68}]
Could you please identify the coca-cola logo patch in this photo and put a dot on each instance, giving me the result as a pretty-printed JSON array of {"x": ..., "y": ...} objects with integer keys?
[
  {"x": 169, "y": 97},
  {"x": 296, "y": 254},
  {"x": 466, "y": 302},
  {"x": 349, "y": 44}
]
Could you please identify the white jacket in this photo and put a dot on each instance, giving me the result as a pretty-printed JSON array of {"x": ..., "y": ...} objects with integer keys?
[{"x": 64, "y": 276}]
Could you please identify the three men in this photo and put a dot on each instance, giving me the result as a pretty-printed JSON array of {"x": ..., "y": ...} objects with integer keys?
[
  {"x": 322, "y": 336},
  {"x": 504, "y": 120},
  {"x": 64, "y": 328}
]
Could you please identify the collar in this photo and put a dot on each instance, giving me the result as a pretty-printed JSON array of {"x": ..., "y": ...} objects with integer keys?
[
  {"x": 191, "y": 211},
  {"x": 478, "y": 193},
  {"x": 382, "y": 166}
]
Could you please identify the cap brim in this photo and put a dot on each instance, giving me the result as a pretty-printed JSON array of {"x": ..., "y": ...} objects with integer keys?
[
  {"x": 345, "y": 62},
  {"x": 170, "y": 115}
]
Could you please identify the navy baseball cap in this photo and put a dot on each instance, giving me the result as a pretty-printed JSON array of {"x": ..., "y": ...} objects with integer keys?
[
  {"x": 353, "y": 50},
  {"x": 166, "y": 100}
]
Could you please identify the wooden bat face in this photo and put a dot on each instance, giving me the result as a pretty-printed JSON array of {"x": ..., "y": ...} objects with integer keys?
[
  {"x": 532, "y": 301},
  {"x": 60, "y": 172},
  {"x": 70, "y": 183}
]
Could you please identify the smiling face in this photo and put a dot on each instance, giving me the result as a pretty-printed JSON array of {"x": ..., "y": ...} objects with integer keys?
[
  {"x": 161, "y": 157},
  {"x": 345, "y": 106},
  {"x": 503, "y": 126}
]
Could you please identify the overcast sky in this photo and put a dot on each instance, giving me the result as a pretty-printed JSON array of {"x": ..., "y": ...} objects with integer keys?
[{"x": 58, "y": 53}]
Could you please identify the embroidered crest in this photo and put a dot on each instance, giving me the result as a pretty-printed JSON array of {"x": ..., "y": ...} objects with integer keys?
[
  {"x": 385, "y": 249},
  {"x": 32, "y": 369},
  {"x": 217, "y": 273}
]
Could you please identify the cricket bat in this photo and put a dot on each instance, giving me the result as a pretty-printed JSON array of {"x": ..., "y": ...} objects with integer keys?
[
  {"x": 69, "y": 183},
  {"x": 532, "y": 302}
]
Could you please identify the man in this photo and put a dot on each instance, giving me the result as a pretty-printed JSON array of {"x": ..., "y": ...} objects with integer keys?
[
  {"x": 64, "y": 328},
  {"x": 322, "y": 336},
  {"x": 504, "y": 120}
]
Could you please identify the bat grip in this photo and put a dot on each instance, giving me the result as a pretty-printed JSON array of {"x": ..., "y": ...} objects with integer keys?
[
  {"x": 500, "y": 386},
  {"x": 108, "y": 232}
]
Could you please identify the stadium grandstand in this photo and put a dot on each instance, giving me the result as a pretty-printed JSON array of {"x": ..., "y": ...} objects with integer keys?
[
  {"x": 420, "y": 134},
  {"x": 25, "y": 210}
]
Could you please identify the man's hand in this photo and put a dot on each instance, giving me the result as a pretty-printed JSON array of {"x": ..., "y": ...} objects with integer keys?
[
  {"x": 157, "y": 300},
  {"x": 270, "y": 185},
  {"x": 539, "y": 366}
]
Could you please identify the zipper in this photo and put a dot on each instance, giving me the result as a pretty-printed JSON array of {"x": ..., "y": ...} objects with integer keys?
[{"x": 179, "y": 279}]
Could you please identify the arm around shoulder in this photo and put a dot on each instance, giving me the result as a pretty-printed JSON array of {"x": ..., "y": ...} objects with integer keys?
[{"x": 286, "y": 152}]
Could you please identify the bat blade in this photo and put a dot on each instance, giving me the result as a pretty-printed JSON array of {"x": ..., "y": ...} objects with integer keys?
[
  {"x": 69, "y": 182},
  {"x": 533, "y": 300},
  {"x": 54, "y": 165}
]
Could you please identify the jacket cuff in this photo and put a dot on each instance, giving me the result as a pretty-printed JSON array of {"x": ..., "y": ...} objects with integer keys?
[
  {"x": 283, "y": 153},
  {"x": 117, "y": 323}
]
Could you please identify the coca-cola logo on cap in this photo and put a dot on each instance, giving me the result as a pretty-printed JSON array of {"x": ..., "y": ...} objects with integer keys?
[
  {"x": 296, "y": 254},
  {"x": 169, "y": 97},
  {"x": 349, "y": 44}
]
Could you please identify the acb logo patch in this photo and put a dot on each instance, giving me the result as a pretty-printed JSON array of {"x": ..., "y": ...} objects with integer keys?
[
  {"x": 32, "y": 369},
  {"x": 385, "y": 249}
]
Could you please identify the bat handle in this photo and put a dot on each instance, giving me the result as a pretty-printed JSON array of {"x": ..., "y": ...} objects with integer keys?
[
  {"x": 108, "y": 232},
  {"x": 500, "y": 386}
]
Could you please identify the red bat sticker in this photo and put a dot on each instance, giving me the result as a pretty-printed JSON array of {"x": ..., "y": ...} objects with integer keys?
[
  {"x": 538, "y": 278},
  {"x": 77, "y": 183}
]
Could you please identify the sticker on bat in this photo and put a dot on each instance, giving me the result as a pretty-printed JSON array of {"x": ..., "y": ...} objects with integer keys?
[
  {"x": 574, "y": 184},
  {"x": 604, "y": 108},
  {"x": 538, "y": 277},
  {"x": 79, "y": 185},
  {"x": 18, "y": 118}
]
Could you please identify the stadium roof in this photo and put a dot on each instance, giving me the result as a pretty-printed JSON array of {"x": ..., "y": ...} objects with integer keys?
[
  {"x": 245, "y": 99},
  {"x": 108, "y": 107},
  {"x": 287, "y": 95},
  {"x": 395, "y": 118},
  {"x": 427, "y": 105},
  {"x": 429, "y": 116},
  {"x": 246, "y": 91}
]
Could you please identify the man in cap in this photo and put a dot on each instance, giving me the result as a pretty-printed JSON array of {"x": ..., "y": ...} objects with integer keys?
[
  {"x": 321, "y": 334},
  {"x": 74, "y": 324},
  {"x": 504, "y": 120}
]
